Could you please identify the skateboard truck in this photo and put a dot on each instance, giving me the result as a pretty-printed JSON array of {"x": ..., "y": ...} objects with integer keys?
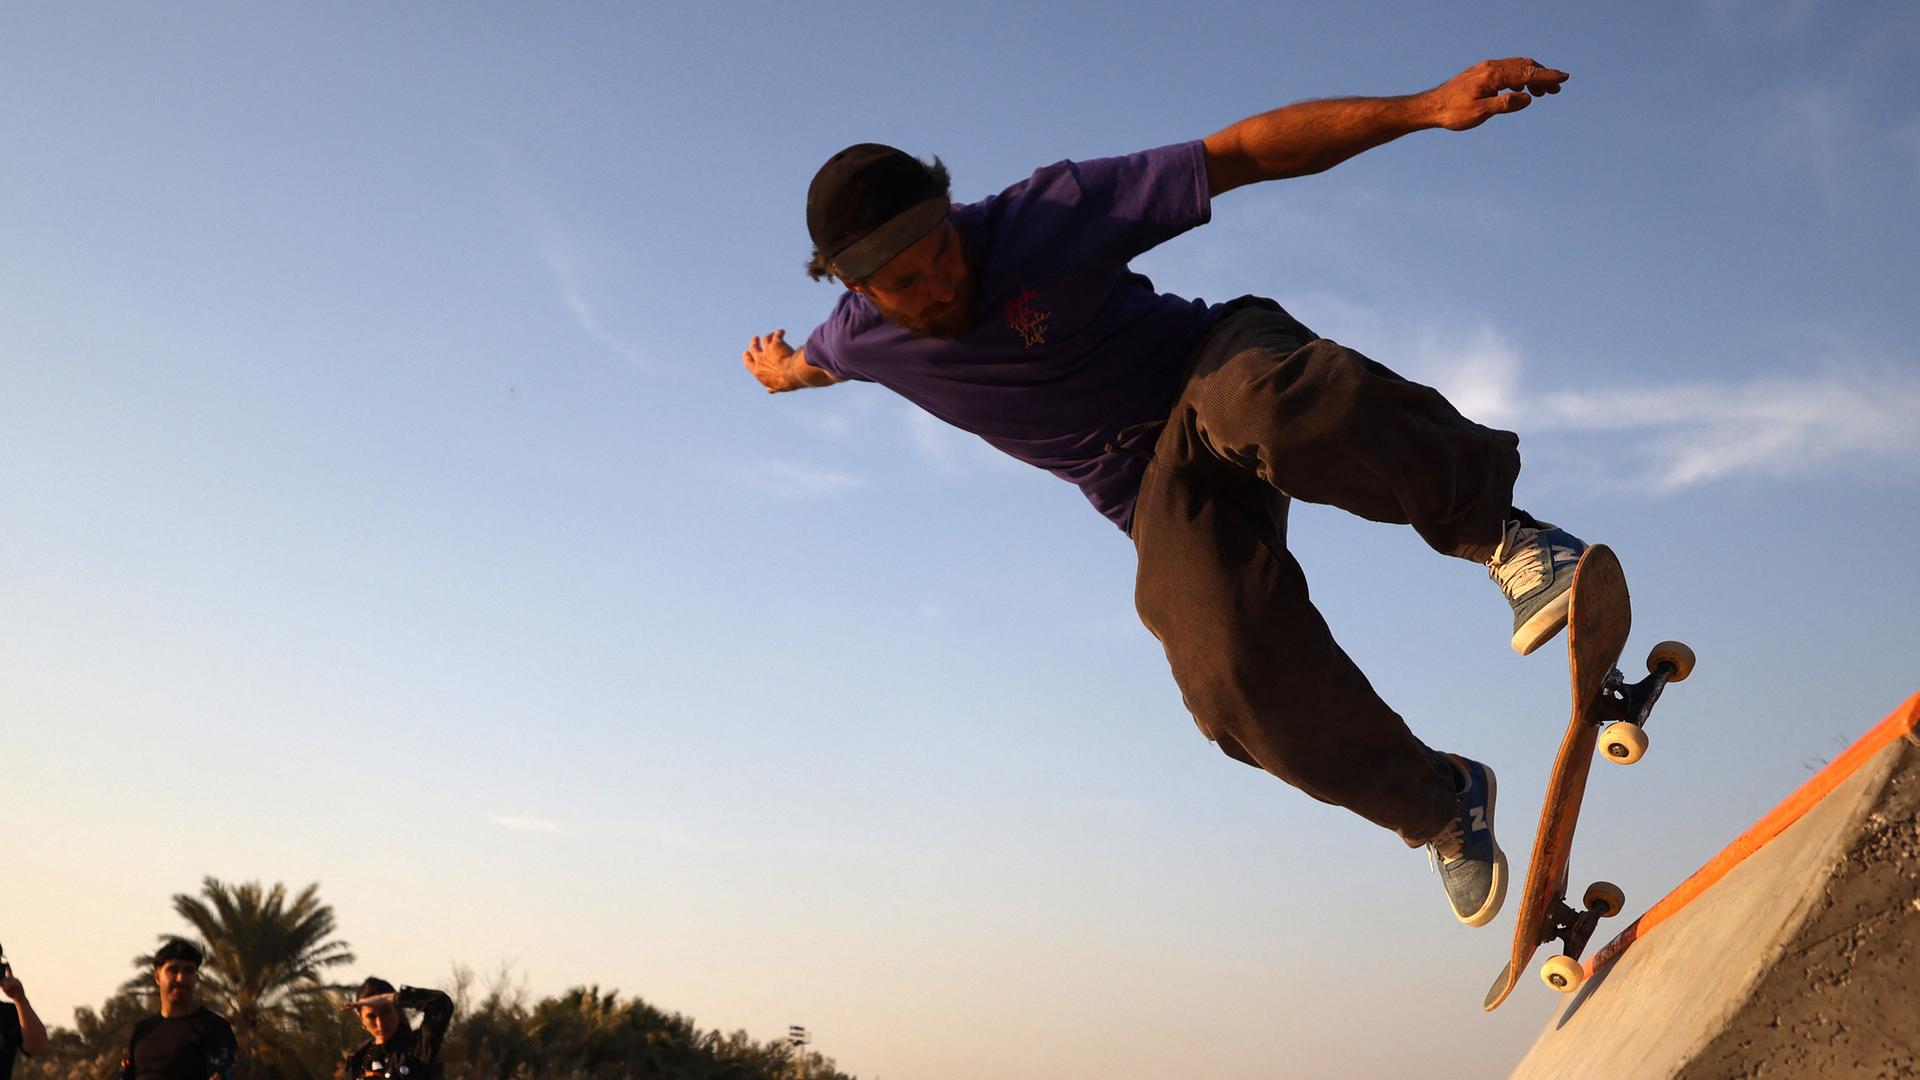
[
  {"x": 1622, "y": 709},
  {"x": 1574, "y": 929}
]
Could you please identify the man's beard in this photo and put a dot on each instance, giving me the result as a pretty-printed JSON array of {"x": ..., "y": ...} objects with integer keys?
[{"x": 956, "y": 318}]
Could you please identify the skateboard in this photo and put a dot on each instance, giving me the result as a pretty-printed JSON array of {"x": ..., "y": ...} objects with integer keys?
[{"x": 1609, "y": 714}]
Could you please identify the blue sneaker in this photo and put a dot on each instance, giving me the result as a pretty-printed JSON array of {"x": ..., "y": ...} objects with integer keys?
[
  {"x": 1534, "y": 568},
  {"x": 1471, "y": 864}
]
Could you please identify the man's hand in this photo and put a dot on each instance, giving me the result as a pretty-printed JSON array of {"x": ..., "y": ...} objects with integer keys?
[
  {"x": 11, "y": 987},
  {"x": 393, "y": 996},
  {"x": 1489, "y": 88},
  {"x": 781, "y": 367}
]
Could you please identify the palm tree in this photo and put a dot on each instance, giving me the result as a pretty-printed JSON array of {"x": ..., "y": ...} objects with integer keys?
[{"x": 265, "y": 956}]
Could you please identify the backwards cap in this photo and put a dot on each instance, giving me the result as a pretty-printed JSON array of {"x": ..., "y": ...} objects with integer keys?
[{"x": 869, "y": 203}]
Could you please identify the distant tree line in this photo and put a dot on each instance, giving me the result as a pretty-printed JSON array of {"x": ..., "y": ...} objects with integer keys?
[{"x": 267, "y": 956}]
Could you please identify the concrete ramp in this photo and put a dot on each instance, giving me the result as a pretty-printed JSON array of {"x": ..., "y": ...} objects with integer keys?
[{"x": 1793, "y": 953}]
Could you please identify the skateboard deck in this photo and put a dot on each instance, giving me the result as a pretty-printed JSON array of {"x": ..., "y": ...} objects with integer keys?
[
  {"x": 1600, "y": 616},
  {"x": 1608, "y": 713}
]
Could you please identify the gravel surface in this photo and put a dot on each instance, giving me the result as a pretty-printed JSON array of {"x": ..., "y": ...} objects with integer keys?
[{"x": 1845, "y": 999}]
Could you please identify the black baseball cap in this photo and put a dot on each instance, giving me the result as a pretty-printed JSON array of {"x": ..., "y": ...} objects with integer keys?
[{"x": 869, "y": 203}]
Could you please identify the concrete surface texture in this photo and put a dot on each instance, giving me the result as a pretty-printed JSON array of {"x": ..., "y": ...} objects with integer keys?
[{"x": 1793, "y": 959}]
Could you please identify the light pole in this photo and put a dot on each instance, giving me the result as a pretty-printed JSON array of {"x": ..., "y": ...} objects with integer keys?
[{"x": 797, "y": 1036}]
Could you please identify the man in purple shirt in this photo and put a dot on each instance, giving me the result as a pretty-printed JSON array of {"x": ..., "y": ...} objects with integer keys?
[{"x": 1190, "y": 426}]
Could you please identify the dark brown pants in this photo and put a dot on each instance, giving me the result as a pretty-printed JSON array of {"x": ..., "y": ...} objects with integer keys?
[{"x": 1272, "y": 413}]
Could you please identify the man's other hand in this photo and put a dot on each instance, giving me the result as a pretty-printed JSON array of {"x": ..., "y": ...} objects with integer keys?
[
  {"x": 780, "y": 367},
  {"x": 770, "y": 359},
  {"x": 1489, "y": 88}
]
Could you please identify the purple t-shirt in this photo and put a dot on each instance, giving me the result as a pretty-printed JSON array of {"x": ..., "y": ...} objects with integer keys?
[{"x": 1071, "y": 347}]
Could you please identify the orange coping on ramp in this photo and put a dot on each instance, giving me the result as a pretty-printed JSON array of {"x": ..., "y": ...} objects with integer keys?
[{"x": 1902, "y": 723}]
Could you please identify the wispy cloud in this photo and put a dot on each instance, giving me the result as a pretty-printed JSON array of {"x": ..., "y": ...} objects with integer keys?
[
  {"x": 525, "y": 824},
  {"x": 1843, "y": 407},
  {"x": 563, "y": 264},
  {"x": 792, "y": 480},
  {"x": 1850, "y": 411},
  {"x": 555, "y": 250},
  {"x": 1840, "y": 417}
]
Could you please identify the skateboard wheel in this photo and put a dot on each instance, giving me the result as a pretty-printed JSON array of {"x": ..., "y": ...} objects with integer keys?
[
  {"x": 1623, "y": 742},
  {"x": 1672, "y": 652},
  {"x": 1563, "y": 974},
  {"x": 1606, "y": 898}
]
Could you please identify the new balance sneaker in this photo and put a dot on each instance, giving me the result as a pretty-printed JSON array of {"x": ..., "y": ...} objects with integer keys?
[
  {"x": 1471, "y": 864},
  {"x": 1534, "y": 568}
]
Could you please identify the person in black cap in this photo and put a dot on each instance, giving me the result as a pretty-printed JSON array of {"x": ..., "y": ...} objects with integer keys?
[
  {"x": 396, "y": 1048},
  {"x": 1191, "y": 426},
  {"x": 187, "y": 1040},
  {"x": 20, "y": 1027}
]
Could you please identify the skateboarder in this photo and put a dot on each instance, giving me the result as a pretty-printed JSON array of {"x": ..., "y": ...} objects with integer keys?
[{"x": 1191, "y": 426}]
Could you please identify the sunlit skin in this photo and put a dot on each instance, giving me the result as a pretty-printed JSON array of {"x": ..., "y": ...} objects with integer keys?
[
  {"x": 179, "y": 983},
  {"x": 928, "y": 288}
]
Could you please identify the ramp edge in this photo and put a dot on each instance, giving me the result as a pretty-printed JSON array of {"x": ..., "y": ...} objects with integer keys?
[{"x": 1902, "y": 723}]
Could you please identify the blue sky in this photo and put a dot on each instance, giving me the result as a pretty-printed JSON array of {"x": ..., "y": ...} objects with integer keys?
[{"x": 385, "y": 504}]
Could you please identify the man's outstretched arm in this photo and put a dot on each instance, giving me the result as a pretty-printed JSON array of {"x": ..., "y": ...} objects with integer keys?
[
  {"x": 1313, "y": 136},
  {"x": 779, "y": 366}
]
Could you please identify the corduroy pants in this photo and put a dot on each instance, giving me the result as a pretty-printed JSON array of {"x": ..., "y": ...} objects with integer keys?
[{"x": 1272, "y": 413}]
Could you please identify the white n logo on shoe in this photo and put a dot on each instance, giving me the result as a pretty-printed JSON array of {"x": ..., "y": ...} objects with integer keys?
[{"x": 1479, "y": 819}]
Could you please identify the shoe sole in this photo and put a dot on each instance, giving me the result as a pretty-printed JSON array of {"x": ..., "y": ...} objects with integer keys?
[
  {"x": 1546, "y": 622},
  {"x": 1495, "y": 900},
  {"x": 1497, "y": 896}
]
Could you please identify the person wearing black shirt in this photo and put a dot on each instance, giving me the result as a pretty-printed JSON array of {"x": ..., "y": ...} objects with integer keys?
[
  {"x": 398, "y": 1050},
  {"x": 187, "y": 1041},
  {"x": 20, "y": 1028}
]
